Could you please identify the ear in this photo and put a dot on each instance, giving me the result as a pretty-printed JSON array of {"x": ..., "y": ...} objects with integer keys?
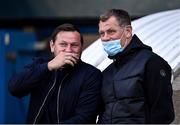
[
  {"x": 51, "y": 44},
  {"x": 129, "y": 31}
]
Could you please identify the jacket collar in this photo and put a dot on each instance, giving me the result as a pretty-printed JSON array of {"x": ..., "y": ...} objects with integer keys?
[{"x": 135, "y": 45}]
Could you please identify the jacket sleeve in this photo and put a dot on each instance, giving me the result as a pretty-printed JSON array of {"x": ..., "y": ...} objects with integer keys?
[
  {"x": 159, "y": 91},
  {"x": 22, "y": 83},
  {"x": 89, "y": 101}
]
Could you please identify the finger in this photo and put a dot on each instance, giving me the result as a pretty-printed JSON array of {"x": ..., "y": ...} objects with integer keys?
[
  {"x": 69, "y": 62},
  {"x": 74, "y": 55},
  {"x": 72, "y": 59}
]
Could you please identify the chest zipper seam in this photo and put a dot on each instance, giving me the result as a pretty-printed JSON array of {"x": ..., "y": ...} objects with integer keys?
[
  {"x": 45, "y": 99},
  {"x": 59, "y": 90}
]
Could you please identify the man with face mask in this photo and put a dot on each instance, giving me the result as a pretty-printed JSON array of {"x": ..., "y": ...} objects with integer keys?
[
  {"x": 63, "y": 89},
  {"x": 137, "y": 85}
]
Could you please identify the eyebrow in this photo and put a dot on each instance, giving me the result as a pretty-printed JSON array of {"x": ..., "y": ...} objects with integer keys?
[
  {"x": 110, "y": 29},
  {"x": 70, "y": 43}
]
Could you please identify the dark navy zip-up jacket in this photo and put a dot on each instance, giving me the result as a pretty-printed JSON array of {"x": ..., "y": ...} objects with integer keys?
[
  {"x": 75, "y": 90},
  {"x": 137, "y": 87}
]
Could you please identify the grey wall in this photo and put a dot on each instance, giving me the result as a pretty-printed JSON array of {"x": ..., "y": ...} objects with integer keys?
[{"x": 81, "y": 8}]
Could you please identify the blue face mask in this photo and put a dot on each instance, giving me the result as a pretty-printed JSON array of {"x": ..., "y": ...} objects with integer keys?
[{"x": 112, "y": 47}]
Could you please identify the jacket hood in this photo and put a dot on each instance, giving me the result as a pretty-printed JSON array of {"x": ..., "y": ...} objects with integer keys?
[{"x": 134, "y": 45}]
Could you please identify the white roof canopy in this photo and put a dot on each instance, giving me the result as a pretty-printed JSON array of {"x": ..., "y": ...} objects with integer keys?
[{"x": 161, "y": 31}]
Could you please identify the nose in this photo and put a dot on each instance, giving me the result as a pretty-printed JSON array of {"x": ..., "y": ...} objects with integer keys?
[
  {"x": 106, "y": 37},
  {"x": 69, "y": 48}
]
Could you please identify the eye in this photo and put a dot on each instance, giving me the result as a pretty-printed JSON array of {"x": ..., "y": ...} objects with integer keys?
[
  {"x": 111, "y": 32},
  {"x": 101, "y": 33},
  {"x": 75, "y": 45},
  {"x": 63, "y": 44}
]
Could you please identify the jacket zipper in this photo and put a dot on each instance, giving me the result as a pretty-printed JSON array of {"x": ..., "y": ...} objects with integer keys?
[
  {"x": 45, "y": 98},
  {"x": 59, "y": 90}
]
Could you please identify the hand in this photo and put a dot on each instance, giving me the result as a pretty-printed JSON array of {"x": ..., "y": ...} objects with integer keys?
[{"x": 61, "y": 59}]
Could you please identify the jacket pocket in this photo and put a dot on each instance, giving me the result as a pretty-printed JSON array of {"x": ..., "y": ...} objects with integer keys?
[
  {"x": 128, "y": 111},
  {"x": 129, "y": 87}
]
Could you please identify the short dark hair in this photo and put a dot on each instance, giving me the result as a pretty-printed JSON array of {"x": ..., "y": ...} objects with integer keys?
[
  {"x": 122, "y": 16},
  {"x": 65, "y": 27}
]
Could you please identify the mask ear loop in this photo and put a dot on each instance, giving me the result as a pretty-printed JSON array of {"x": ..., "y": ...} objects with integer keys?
[
  {"x": 125, "y": 44},
  {"x": 126, "y": 39}
]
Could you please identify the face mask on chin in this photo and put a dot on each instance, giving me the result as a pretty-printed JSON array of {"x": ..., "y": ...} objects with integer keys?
[{"x": 112, "y": 47}]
